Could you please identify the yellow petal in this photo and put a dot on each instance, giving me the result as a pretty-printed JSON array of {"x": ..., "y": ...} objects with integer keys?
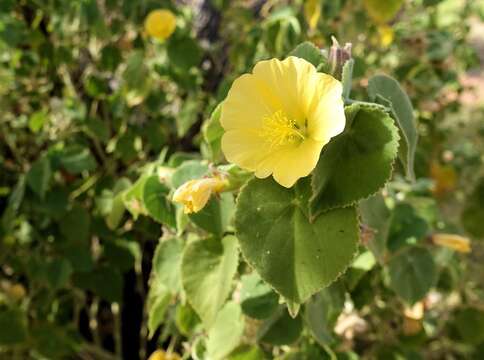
[
  {"x": 244, "y": 147},
  {"x": 294, "y": 163},
  {"x": 327, "y": 116},
  {"x": 292, "y": 81},
  {"x": 252, "y": 95}
]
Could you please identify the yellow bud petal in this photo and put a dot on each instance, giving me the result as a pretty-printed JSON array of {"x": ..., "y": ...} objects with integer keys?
[
  {"x": 160, "y": 24},
  {"x": 452, "y": 241},
  {"x": 194, "y": 194}
]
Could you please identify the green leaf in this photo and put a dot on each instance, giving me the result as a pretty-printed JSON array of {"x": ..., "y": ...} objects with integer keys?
[
  {"x": 258, "y": 300},
  {"x": 75, "y": 225},
  {"x": 158, "y": 300},
  {"x": 39, "y": 175},
  {"x": 226, "y": 332},
  {"x": 117, "y": 208},
  {"x": 293, "y": 255},
  {"x": 212, "y": 134},
  {"x": 412, "y": 273},
  {"x": 79, "y": 256},
  {"x": 183, "y": 52},
  {"x": 309, "y": 52},
  {"x": 216, "y": 216},
  {"x": 121, "y": 253},
  {"x": 473, "y": 212},
  {"x": 97, "y": 129},
  {"x": 37, "y": 121},
  {"x": 58, "y": 272},
  {"x": 470, "y": 325},
  {"x": 406, "y": 227},
  {"x": 383, "y": 11},
  {"x": 53, "y": 341},
  {"x": 208, "y": 267},
  {"x": 376, "y": 216},
  {"x": 155, "y": 199},
  {"x": 186, "y": 319},
  {"x": 388, "y": 89},
  {"x": 76, "y": 159},
  {"x": 357, "y": 163},
  {"x": 187, "y": 116},
  {"x": 104, "y": 281},
  {"x": 280, "y": 328},
  {"x": 189, "y": 170},
  {"x": 322, "y": 311},
  {"x": 12, "y": 327},
  {"x": 247, "y": 352},
  {"x": 347, "y": 77},
  {"x": 167, "y": 264}
]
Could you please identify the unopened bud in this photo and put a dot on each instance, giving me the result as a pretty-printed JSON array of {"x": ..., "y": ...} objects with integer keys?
[{"x": 338, "y": 56}]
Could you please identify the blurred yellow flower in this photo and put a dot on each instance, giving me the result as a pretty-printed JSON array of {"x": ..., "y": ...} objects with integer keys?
[
  {"x": 161, "y": 355},
  {"x": 312, "y": 12},
  {"x": 386, "y": 34},
  {"x": 194, "y": 194},
  {"x": 160, "y": 24},
  {"x": 445, "y": 178},
  {"x": 452, "y": 241},
  {"x": 278, "y": 118}
]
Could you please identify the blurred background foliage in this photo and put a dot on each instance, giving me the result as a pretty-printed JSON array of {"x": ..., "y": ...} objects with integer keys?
[{"x": 94, "y": 111}]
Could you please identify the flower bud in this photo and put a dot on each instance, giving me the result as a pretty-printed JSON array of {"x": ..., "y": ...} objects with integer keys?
[
  {"x": 452, "y": 241},
  {"x": 194, "y": 194},
  {"x": 338, "y": 56}
]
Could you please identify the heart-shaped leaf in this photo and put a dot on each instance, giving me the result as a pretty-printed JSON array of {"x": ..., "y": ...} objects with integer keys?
[{"x": 293, "y": 255}]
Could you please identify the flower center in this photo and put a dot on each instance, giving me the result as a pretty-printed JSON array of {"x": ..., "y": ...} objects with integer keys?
[{"x": 279, "y": 130}]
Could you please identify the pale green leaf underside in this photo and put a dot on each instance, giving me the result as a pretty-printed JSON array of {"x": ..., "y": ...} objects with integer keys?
[
  {"x": 357, "y": 163},
  {"x": 383, "y": 87},
  {"x": 167, "y": 264},
  {"x": 208, "y": 267},
  {"x": 293, "y": 255},
  {"x": 226, "y": 332}
]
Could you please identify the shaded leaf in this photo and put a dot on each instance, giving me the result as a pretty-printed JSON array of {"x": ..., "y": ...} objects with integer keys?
[{"x": 352, "y": 155}]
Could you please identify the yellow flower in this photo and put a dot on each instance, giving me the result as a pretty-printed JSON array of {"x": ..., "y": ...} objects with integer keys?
[
  {"x": 386, "y": 34},
  {"x": 160, "y": 24},
  {"x": 312, "y": 12},
  {"x": 278, "y": 118},
  {"x": 194, "y": 194},
  {"x": 161, "y": 355},
  {"x": 445, "y": 178},
  {"x": 454, "y": 242}
]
